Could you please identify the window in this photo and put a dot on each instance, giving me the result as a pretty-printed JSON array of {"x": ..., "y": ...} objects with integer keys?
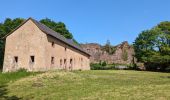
[
  {"x": 71, "y": 64},
  {"x": 32, "y": 59},
  {"x": 61, "y": 62},
  {"x": 71, "y": 60},
  {"x": 52, "y": 60},
  {"x": 16, "y": 59},
  {"x": 52, "y": 44},
  {"x": 88, "y": 50},
  {"x": 65, "y": 48},
  {"x": 65, "y": 63}
]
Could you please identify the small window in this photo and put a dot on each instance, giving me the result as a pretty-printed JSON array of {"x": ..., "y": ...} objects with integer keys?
[
  {"x": 71, "y": 60},
  {"x": 65, "y": 49},
  {"x": 52, "y": 44},
  {"x": 16, "y": 59},
  {"x": 52, "y": 60},
  {"x": 65, "y": 63},
  {"x": 88, "y": 50},
  {"x": 61, "y": 62},
  {"x": 32, "y": 59}
]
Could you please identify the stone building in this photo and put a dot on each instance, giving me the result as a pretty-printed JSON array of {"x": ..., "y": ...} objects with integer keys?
[
  {"x": 97, "y": 54},
  {"x": 35, "y": 47}
]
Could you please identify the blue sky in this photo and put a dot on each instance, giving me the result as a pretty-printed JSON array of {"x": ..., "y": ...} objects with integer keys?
[{"x": 93, "y": 20}]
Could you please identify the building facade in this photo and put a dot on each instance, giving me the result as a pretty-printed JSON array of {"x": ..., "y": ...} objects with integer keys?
[{"x": 35, "y": 47}]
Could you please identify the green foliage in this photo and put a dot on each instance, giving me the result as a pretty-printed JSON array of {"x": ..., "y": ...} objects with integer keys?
[
  {"x": 95, "y": 66},
  {"x": 102, "y": 66},
  {"x": 59, "y": 27},
  {"x": 104, "y": 63},
  {"x": 153, "y": 47}
]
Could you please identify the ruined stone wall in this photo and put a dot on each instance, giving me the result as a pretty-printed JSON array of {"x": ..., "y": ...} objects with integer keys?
[{"x": 117, "y": 57}]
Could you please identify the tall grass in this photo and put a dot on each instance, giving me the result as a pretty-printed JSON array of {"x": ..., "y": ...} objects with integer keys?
[{"x": 12, "y": 76}]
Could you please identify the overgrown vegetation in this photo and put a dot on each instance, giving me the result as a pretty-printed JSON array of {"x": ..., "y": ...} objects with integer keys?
[
  {"x": 10, "y": 24},
  {"x": 93, "y": 85},
  {"x": 152, "y": 47},
  {"x": 104, "y": 66}
]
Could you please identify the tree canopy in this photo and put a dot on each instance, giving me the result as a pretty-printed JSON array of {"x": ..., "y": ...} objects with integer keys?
[
  {"x": 10, "y": 24},
  {"x": 153, "y": 47},
  {"x": 59, "y": 27}
]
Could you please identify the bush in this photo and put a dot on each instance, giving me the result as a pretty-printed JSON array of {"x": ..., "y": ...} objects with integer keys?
[
  {"x": 104, "y": 63},
  {"x": 101, "y": 66},
  {"x": 96, "y": 66},
  {"x": 132, "y": 67},
  {"x": 105, "y": 66}
]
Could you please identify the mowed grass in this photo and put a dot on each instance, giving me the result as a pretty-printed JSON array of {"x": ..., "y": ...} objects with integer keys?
[{"x": 92, "y": 85}]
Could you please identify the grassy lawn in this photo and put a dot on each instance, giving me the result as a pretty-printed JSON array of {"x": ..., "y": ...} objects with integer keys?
[{"x": 92, "y": 85}]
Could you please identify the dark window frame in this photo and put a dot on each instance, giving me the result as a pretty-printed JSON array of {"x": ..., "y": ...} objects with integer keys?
[
  {"x": 32, "y": 59},
  {"x": 52, "y": 60},
  {"x": 65, "y": 48},
  {"x": 61, "y": 62},
  {"x": 16, "y": 59},
  {"x": 52, "y": 44}
]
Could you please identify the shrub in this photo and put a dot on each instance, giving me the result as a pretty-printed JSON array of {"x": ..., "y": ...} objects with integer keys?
[
  {"x": 104, "y": 63},
  {"x": 96, "y": 66},
  {"x": 101, "y": 66}
]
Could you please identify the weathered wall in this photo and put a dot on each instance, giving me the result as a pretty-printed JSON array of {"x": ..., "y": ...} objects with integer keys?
[
  {"x": 27, "y": 41},
  {"x": 99, "y": 55},
  {"x": 61, "y": 51}
]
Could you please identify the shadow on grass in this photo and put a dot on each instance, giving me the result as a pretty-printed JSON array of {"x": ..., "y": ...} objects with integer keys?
[{"x": 4, "y": 92}]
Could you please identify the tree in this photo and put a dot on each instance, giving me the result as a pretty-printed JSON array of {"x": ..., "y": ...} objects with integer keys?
[
  {"x": 59, "y": 27},
  {"x": 152, "y": 47}
]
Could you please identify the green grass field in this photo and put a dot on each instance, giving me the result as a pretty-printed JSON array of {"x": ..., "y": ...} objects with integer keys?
[{"x": 89, "y": 85}]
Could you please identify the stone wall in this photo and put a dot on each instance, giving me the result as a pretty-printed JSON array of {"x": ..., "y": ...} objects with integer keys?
[{"x": 98, "y": 54}]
